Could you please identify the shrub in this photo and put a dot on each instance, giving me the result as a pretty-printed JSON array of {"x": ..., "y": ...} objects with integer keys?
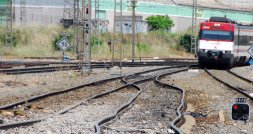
[
  {"x": 185, "y": 42},
  {"x": 59, "y": 36},
  {"x": 159, "y": 22},
  {"x": 142, "y": 48},
  {"x": 95, "y": 40}
]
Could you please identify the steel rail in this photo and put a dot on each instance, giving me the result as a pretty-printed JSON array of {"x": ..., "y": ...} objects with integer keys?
[
  {"x": 168, "y": 62},
  {"x": 35, "y": 98},
  {"x": 228, "y": 85},
  {"x": 239, "y": 76},
  {"x": 148, "y": 71},
  {"x": 95, "y": 65},
  {"x": 47, "y": 69},
  {"x": 29, "y": 122},
  {"x": 120, "y": 109},
  {"x": 182, "y": 104},
  {"x": 104, "y": 120},
  {"x": 126, "y": 105}
]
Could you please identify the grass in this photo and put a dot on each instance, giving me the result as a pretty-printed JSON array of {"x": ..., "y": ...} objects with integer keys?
[
  {"x": 32, "y": 41},
  {"x": 38, "y": 41}
]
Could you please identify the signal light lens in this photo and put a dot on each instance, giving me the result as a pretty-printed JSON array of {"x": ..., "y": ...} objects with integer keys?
[{"x": 235, "y": 107}]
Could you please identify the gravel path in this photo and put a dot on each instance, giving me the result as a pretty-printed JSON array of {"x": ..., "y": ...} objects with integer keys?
[
  {"x": 207, "y": 96},
  {"x": 152, "y": 112}
]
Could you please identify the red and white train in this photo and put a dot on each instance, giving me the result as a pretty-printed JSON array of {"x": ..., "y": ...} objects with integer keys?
[{"x": 223, "y": 42}]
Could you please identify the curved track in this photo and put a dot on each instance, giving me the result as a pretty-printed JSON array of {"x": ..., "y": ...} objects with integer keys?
[
  {"x": 56, "y": 101},
  {"x": 233, "y": 81},
  {"x": 96, "y": 95},
  {"x": 178, "y": 121},
  {"x": 148, "y": 79}
]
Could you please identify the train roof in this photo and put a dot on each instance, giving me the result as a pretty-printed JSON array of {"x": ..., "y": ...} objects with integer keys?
[
  {"x": 250, "y": 27},
  {"x": 220, "y": 19}
]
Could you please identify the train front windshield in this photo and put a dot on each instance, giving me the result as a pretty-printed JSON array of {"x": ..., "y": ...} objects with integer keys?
[{"x": 216, "y": 35}]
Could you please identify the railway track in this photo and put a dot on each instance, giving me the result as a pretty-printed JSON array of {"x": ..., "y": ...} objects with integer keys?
[
  {"x": 60, "y": 97},
  {"x": 147, "y": 74},
  {"x": 76, "y": 67},
  {"x": 148, "y": 62},
  {"x": 47, "y": 69},
  {"x": 233, "y": 81},
  {"x": 158, "y": 99},
  {"x": 53, "y": 103}
]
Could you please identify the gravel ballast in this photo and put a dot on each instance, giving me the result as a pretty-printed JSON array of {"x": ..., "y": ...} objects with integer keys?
[
  {"x": 209, "y": 97},
  {"x": 152, "y": 112}
]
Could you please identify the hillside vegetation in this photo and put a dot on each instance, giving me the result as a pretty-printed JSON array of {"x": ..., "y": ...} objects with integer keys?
[{"x": 39, "y": 41}]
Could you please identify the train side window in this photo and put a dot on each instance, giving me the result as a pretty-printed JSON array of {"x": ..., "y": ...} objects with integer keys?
[{"x": 245, "y": 40}]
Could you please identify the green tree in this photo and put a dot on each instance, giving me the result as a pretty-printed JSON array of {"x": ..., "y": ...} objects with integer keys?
[{"x": 159, "y": 22}]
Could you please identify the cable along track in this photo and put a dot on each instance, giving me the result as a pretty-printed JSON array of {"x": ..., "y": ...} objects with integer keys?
[{"x": 234, "y": 81}]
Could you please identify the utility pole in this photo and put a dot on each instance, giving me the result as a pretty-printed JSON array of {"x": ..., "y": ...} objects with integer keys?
[
  {"x": 194, "y": 28},
  {"x": 88, "y": 37},
  {"x": 23, "y": 12},
  {"x": 85, "y": 24},
  {"x": 99, "y": 32},
  {"x": 9, "y": 23},
  {"x": 252, "y": 14},
  {"x": 121, "y": 34},
  {"x": 97, "y": 25},
  {"x": 114, "y": 32},
  {"x": 133, "y": 5},
  {"x": 82, "y": 49},
  {"x": 76, "y": 21}
]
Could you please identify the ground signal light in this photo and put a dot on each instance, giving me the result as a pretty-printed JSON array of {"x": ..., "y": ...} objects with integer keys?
[{"x": 240, "y": 112}]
